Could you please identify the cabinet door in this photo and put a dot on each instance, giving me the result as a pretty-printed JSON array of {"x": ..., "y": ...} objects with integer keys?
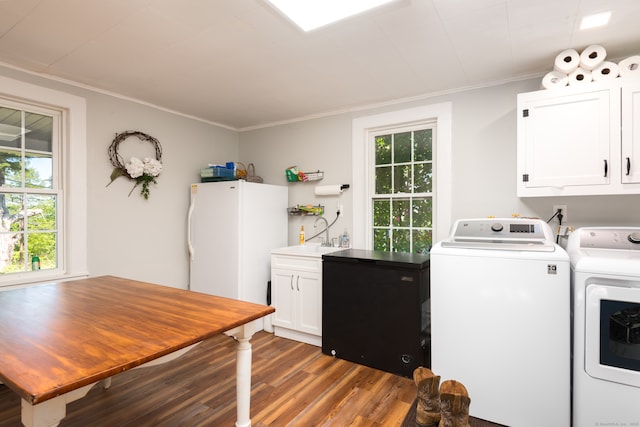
[
  {"x": 631, "y": 133},
  {"x": 564, "y": 140},
  {"x": 283, "y": 297},
  {"x": 309, "y": 299}
]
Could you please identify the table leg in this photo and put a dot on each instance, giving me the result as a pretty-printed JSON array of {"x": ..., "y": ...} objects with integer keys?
[
  {"x": 243, "y": 374},
  {"x": 50, "y": 412}
]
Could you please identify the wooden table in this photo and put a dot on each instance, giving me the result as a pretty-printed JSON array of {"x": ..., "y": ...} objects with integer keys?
[{"x": 58, "y": 340}]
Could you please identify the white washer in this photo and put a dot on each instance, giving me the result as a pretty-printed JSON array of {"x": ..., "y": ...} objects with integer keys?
[
  {"x": 605, "y": 278},
  {"x": 500, "y": 320}
]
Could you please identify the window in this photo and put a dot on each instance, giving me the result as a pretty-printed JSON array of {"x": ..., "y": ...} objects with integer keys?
[
  {"x": 42, "y": 184},
  {"x": 29, "y": 188},
  {"x": 403, "y": 198},
  {"x": 402, "y": 178}
]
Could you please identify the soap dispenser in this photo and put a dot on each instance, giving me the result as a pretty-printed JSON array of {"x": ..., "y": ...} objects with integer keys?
[
  {"x": 302, "y": 235},
  {"x": 344, "y": 240}
]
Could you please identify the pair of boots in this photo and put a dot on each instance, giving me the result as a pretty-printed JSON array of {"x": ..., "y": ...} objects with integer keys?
[{"x": 445, "y": 405}]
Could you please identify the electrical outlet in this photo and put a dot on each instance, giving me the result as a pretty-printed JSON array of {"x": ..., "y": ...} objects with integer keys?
[{"x": 565, "y": 215}]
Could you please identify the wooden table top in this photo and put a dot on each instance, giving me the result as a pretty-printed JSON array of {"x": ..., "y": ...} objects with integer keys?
[{"x": 58, "y": 337}]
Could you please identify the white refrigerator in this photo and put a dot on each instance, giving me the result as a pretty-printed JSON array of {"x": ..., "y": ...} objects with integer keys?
[{"x": 232, "y": 227}]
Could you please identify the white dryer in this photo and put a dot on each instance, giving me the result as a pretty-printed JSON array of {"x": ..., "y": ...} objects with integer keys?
[
  {"x": 605, "y": 279},
  {"x": 500, "y": 320}
]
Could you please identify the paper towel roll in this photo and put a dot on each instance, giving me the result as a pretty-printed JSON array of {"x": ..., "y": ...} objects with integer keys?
[
  {"x": 567, "y": 61},
  {"x": 630, "y": 67},
  {"x": 592, "y": 56},
  {"x": 605, "y": 71},
  {"x": 580, "y": 76},
  {"x": 555, "y": 79},
  {"x": 328, "y": 190}
]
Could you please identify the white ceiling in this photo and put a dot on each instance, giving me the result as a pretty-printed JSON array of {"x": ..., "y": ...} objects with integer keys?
[{"x": 241, "y": 64}]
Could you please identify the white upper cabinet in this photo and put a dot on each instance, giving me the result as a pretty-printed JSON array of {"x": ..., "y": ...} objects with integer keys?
[
  {"x": 570, "y": 140},
  {"x": 631, "y": 133}
]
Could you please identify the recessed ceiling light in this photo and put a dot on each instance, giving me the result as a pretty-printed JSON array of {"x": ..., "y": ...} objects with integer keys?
[
  {"x": 311, "y": 14},
  {"x": 595, "y": 20}
]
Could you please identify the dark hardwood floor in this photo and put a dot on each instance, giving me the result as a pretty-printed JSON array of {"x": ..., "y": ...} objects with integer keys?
[{"x": 293, "y": 384}]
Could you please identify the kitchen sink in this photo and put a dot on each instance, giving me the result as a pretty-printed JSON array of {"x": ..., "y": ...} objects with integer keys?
[{"x": 308, "y": 249}]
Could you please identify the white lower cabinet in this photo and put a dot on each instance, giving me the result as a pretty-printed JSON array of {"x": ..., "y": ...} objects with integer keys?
[{"x": 296, "y": 294}]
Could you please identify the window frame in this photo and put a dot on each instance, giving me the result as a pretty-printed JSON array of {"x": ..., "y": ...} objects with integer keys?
[
  {"x": 72, "y": 206},
  {"x": 363, "y": 129}
]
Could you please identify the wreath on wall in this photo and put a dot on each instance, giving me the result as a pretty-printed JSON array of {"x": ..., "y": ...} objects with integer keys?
[{"x": 143, "y": 172}]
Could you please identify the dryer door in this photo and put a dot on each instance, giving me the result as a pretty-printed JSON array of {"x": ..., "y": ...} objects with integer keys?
[{"x": 612, "y": 332}]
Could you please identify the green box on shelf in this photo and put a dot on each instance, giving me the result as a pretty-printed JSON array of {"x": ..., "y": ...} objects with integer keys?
[{"x": 291, "y": 177}]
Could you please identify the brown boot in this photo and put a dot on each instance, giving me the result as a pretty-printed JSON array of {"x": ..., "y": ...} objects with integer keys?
[
  {"x": 454, "y": 404},
  {"x": 428, "y": 401}
]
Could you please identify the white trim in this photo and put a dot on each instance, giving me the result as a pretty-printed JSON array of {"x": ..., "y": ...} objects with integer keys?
[
  {"x": 362, "y": 175},
  {"x": 74, "y": 175}
]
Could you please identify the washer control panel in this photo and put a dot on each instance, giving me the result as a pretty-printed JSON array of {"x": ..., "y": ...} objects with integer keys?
[{"x": 501, "y": 230}]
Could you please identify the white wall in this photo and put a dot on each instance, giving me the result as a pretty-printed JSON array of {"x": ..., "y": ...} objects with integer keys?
[
  {"x": 129, "y": 236},
  {"x": 146, "y": 239},
  {"x": 322, "y": 144},
  {"x": 484, "y": 161}
]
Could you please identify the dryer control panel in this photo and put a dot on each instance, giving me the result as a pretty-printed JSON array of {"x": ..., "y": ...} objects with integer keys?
[{"x": 626, "y": 238}]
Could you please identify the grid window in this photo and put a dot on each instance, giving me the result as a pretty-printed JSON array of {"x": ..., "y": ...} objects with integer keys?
[
  {"x": 403, "y": 197},
  {"x": 29, "y": 188}
]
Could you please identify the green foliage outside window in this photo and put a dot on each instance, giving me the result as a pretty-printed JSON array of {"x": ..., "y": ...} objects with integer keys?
[{"x": 403, "y": 200}]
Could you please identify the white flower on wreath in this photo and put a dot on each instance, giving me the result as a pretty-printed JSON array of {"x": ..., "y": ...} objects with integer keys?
[
  {"x": 152, "y": 166},
  {"x": 144, "y": 172},
  {"x": 135, "y": 167}
]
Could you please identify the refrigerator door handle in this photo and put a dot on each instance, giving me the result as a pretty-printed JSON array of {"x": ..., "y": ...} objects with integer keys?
[{"x": 189, "y": 215}]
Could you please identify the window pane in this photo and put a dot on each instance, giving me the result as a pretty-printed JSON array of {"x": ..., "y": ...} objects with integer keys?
[
  {"x": 401, "y": 240},
  {"x": 39, "y": 132},
  {"x": 381, "y": 213},
  {"x": 422, "y": 240},
  {"x": 422, "y": 213},
  {"x": 402, "y": 179},
  {"x": 38, "y": 170},
  {"x": 41, "y": 210},
  {"x": 11, "y": 205},
  {"x": 10, "y": 168},
  {"x": 381, "y": 240},
  {"x": 10, "y": 128},
  {"x": 402, "y": 147},
  {"x": 14, "y": 261},
  {"x": 383, "y": 150},
  {"x": 423, "y": 178},
  {"x": 422, "y": 145},
  {"x": 42, "y": 245},
  {"x": 383, "y": 180},
  {"x": 401, "y": 213}
]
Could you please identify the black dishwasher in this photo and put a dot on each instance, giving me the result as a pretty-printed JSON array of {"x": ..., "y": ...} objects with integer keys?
[{"x": 375, "y": 309}]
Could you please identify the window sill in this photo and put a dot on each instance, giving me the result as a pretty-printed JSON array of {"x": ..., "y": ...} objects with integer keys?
[{"x": 24, "y": 281}]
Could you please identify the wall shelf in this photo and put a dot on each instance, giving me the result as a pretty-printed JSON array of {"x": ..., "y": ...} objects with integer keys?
[
  {"x": 303, "y": 210},
  {"x": 303, "y": 176}
]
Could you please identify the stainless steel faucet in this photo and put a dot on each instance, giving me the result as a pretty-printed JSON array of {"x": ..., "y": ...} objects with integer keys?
[{"x": 326, "y": 241}]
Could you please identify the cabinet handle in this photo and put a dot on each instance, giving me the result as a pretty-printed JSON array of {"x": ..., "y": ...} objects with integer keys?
[
  {"x": 298, "y": 283},
  {"x": 292, "y": 282},
  {"x": 606, "y": 168},
  {"x": 628, "y": 165}
]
